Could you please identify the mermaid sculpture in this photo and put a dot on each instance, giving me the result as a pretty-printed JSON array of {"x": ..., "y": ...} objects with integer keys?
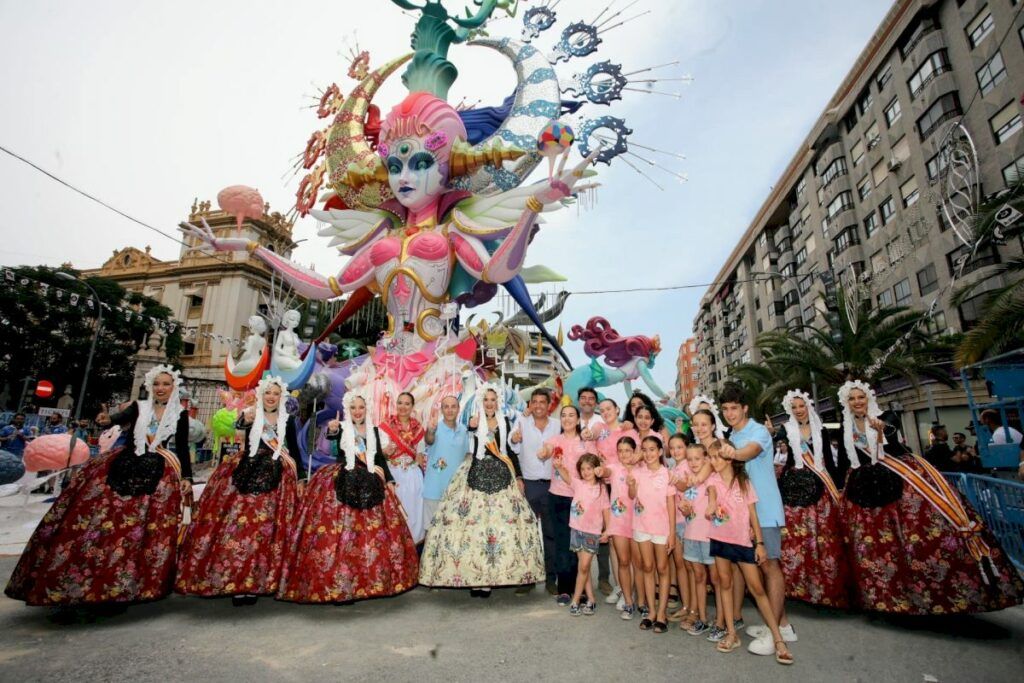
[
  {"x": 286, "y": 342},
  {"x": 412, "y": 238},
  {"x": 626, "y": 359}
]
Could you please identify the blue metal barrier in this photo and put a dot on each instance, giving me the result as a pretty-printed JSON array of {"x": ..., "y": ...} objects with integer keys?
[{"x": 1000, "y": 502}]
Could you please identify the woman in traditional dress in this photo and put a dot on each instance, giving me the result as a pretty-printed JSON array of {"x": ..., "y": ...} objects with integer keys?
[
  {"x": 813, "y": 554},
  {"x": 236, "y": 542},
  {"x": 111, "y": 537},
  {"x": 405, "y": 434},
  {"x": 916, "y": 546},
  {"x": 350, "y": 540},
  {"x": 484, "y": 533}
]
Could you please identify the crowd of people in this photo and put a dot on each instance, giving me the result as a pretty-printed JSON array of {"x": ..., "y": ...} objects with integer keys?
[{"x": 500, "y": 500}]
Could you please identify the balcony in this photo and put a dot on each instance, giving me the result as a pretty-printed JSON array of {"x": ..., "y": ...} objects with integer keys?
[{"x": 928, "y": 40}]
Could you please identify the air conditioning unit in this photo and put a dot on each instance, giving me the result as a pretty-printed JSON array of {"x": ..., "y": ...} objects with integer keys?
[
  {"x": 894, "y": 163},
  {"x": 873, "y": 142}
]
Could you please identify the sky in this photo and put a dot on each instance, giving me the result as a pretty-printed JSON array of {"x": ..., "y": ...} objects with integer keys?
[{"x": 149, "y": 105}]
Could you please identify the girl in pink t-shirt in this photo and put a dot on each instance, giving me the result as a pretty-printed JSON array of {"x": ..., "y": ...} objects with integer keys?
[
  {"x": 654, "y": 523},
  {"x": 681, "y": 474},
  {"x": 731, "y": 498},
  {"x": 608, "y": 432},
  {"x": 620, "y": 527},
  {"x": 589, "y": 518},
  {"x": 570, "y": 446}
]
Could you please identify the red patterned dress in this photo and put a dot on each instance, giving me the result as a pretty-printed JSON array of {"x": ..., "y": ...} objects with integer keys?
[
  {"x": 111, "y": 536},
  {"x": 406, "y": 471},
  {"x": 906, "y": 555},
  {"x": 236, "y": 542},
  {"x": 814, "y": 557},
  {"x": 350, "y": 540}
]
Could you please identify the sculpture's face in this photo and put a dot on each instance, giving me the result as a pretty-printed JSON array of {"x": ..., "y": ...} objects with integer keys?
[
  {"x": 414, "y": 174},
  {"x": 256, "y": 324},
  {"x": 290, "y": 319}
]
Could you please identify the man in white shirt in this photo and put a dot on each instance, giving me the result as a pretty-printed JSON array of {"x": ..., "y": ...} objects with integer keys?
[
  {"x": 586, "y": 401},
  {"x": 1000, "y": 435},
  {"x": 526, "y": 439}
]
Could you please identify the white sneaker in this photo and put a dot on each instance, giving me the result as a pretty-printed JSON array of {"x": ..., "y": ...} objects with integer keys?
[
  {"x": 758, "y": 631},
  {"x": 788, "y": 633},
  {"x": 614, "y": 596},
  {"x": 620, "y": 604},
  {"x": 762, "y": 646}
]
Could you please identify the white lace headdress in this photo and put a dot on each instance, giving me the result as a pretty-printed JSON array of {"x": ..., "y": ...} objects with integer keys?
[
  {"x": 694, "y": 406},
  {"x": 793, "y": 429},
  {"x": 168, "y": 422},
  {"x": 482, "y": 433},
  {"x": 348, "y": 432},
  {"x": 869, "y": 432},
  {"x": 259, "y": 421}
]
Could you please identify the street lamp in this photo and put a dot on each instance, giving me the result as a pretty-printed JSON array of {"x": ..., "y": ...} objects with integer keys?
[{"x": 95, "y": 337}]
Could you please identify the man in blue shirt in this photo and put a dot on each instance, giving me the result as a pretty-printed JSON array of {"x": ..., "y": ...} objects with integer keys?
[
  {"x": 14, "y": 436},
  {"x": 447, "y": 446},
  {"x": 55, "y": 425},
  {"x": 752, "y": 444}
]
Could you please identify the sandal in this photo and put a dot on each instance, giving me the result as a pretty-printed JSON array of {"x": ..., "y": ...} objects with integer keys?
[
  {"x": 660, "y": 627},
  {"x": 784, "y": 657},
  {"x": 679, "y": 614},
  {"x": 646, "y": 624},
  {"x": 728, "y": 644}
]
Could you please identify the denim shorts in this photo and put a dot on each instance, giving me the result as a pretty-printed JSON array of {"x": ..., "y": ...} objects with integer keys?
[
  {"x": 581, "y": 540},
  {"x": 740, "y": 554},
  {"x": 772, "y": 536},
  {"x": 680, "y": 530},
  {"x": 698, "y": 552}
]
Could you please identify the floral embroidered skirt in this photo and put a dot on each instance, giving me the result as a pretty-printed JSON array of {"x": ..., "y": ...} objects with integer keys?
[
  {"x": 236, "y": 542},
  {"x": 339, "y": 553},
  {"x": 482, "y": 539},
  {"x": 95, "y": 546},
  {"x": 814, "y": 557},
  {"x": 907, "y": 559}
]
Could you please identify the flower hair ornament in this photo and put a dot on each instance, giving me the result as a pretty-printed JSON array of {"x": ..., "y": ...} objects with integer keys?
[
  {"x": 169, "y": 422},
  {"x": 793, "y": 428},
  {"x": 694, "y": 406},
  {"x": 259, "y": 420},
  {"x": 869, "y": 432},
  {"x": 482, "y": 435},
  {"x": 348, "y": 432}
]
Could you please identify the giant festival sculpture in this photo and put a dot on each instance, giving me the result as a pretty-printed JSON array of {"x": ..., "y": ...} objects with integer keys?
[{"x": 432, "y": 206}]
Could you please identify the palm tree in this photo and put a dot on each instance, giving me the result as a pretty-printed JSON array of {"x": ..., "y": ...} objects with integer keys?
[
  {"x": 889, "y": 341},
  {"x": 1001, "y": 326}
]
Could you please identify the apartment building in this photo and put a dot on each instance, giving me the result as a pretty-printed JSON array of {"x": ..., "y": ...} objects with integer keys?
[
  {"x": 687, "y": 375},
  {"x": 860, "y": 200}
]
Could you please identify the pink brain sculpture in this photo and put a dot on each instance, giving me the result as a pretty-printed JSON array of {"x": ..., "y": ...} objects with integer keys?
[
  {"x": 241, "y": 201},
  {"x": 50, "y": 452}
]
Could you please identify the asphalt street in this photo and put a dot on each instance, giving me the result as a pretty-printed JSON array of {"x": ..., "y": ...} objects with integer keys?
[{"x": 449, "y": 636}]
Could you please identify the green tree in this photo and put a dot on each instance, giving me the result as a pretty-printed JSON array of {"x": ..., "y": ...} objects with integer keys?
[
  {"x": 890, "y": 341},
  {"x": 49, "y": 338},
  {"x": 1001, "y": 326}
]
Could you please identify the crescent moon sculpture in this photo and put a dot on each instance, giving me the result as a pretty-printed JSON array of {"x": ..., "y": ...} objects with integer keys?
[
  {"x": 347, "y": 146},
  {"x": 538, "y": 100}
]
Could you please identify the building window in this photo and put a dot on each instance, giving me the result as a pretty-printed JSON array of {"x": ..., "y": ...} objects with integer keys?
[
  {"x": 972, "y": 310},
  {"x": 864, "y": 188},
  {"x": 846, "y": 238},
  {"x": 879, "y": 172},
  {"x": 883, "y": 77},
  {"x": 843, "y": 202},
  {"x": 902, "y": 292},
  {"x": 885, "y": 299},
  {"x": 1005, "y": 123},
  {"x": 195, "y": 306},
  {"x": 835, "y": 169},
  {"x": 821, "y": 195},
  {"x": 937, "y": 323},
  {"x": 909, "y": 192},
  {"x": 800, "y": 187},
  {"x": 893, "y": 112},
  {"x": 857, "y": 152},
  {"x": 879, "y": 261},
  {"x": 980, "y": 27},
  {"x": 981, "y": 258},
  {"x": 801, "y": 257},
  {"x": 888, "y": 210},
  {"x": 789, "y": 270},
  {"x": 808, "y": 315},
  {"x": 805, "y": 283},
  {"x": 936, "y": 63},
  {"x": 864, "y": 101},
  {"x": 870, "y": 224},
  {"x": 895, "y": 251},
  {"x": 927, "y": 280},
  {"x": 944, "y": 108},
  {"x": 992, "y": 74},
  {"x": 937, "y": 164},
  {"x": 1012, "y": 173},
  {"x": 872, "y": 135},
  {"x": 791, "y": 298}
]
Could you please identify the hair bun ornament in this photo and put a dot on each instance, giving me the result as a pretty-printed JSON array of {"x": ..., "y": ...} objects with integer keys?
[{"x": 466, "y": 159}]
